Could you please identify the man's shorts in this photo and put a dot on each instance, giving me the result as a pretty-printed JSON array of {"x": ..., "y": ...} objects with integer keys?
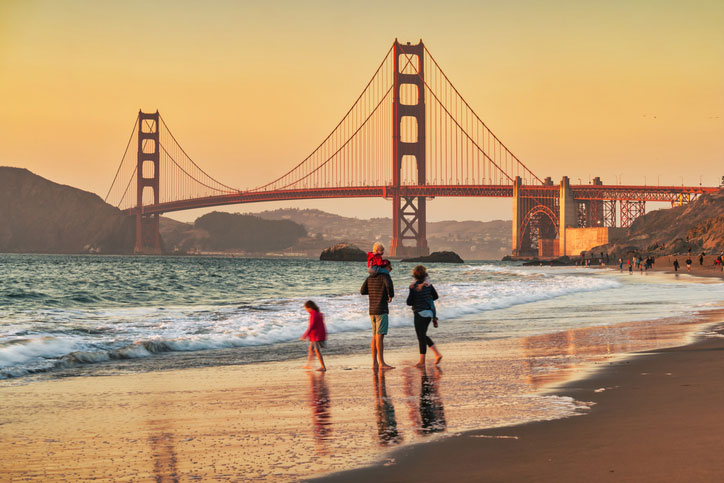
[{"x": 379, "y": 324}]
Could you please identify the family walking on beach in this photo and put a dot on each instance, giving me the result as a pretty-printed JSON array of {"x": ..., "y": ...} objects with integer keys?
[{"x": 379, "y": 288}]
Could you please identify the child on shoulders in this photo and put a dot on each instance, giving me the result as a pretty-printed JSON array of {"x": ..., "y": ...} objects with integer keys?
[{"x": 375, "y": 262}]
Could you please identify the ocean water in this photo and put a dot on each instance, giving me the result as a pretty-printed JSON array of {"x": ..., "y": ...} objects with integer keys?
[{"x": 66, "y": 315}]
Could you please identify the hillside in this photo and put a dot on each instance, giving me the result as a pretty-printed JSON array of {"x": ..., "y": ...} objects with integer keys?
[
  {"x": 231, "y": 232},
  {"x": 698, "y": 226},
  {"x": 471, "y": 239},
  {"x": 39, "y": 216}
]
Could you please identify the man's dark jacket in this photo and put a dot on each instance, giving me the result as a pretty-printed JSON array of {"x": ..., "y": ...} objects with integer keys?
[{"x": 379, "y": 287}]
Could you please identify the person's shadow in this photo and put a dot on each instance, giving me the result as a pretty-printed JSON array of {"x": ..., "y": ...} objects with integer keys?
[
  {"x": 319, "y": 401},
  {"x": 385, "y": 412}
]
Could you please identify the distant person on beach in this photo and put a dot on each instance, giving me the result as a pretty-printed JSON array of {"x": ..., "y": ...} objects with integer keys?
[
  {"x": 676, "y": 265},
  {"x": 420, "y": 299},
  {"x": 316, "y": 333},
  {"x": 378, "y": 286},
  {"x": 630, "y": 267},
  {"x": 620, "y": 264},
  {"x": 688, "y": 264},
  {"x": 701, "y": 259}
]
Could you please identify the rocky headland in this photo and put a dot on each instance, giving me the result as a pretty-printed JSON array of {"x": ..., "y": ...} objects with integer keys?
[
  {"x": 40, "y": 216},
  {"x": 697, "y": 227}
]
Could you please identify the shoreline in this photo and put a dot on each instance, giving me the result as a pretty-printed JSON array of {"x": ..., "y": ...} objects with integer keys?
[
  {"x": 276, "y": 421},
  {"x": 653, "y": 416}
]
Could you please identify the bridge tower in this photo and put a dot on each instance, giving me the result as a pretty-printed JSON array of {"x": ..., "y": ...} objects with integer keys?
[
  {"x": 409, "y": 215},
  {"x": 148, "y": 240}
]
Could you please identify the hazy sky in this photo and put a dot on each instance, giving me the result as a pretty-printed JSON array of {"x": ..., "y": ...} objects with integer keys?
[{"x": 577, "y": 88}]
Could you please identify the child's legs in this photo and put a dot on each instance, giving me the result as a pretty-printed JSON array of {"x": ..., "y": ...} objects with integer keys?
[{"x": 318, "y": 350}]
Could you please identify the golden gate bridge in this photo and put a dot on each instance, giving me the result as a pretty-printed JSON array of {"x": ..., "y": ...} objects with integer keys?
[{"x": 409, "y": 136}]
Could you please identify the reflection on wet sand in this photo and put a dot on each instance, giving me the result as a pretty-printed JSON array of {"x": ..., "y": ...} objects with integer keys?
[
  {"x": 385, "y": 412},
  {"x": 550, "y": 358},
  {"x": 319, "y": 401},
  {"x": 164, "y": 455},
  {"x": 162, "y": 442},
  {"x": 428, "y": 415}
]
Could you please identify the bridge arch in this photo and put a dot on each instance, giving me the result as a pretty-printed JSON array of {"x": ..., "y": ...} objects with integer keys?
[{"x": 537, "y": 213}]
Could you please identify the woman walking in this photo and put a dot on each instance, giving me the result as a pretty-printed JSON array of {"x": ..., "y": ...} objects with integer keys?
[{"x": 421, "y": 297}]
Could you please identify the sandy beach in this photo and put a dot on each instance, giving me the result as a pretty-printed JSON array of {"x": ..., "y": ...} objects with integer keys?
[
  {"x": 275, "y": 421},
  {"x": 654, "y": 417}
]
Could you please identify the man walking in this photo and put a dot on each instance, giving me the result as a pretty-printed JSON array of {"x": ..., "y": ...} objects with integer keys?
[{"x": 380, "y": 290}]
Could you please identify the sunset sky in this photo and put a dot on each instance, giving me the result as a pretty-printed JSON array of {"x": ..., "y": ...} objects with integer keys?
[{"x": 580, "y": 88}]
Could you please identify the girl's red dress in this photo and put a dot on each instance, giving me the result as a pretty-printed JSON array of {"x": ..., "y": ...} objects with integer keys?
[{"x": 316, "y": 332}]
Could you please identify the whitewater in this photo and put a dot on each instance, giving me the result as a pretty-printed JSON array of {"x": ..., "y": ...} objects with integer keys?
[{"x": 66, "y": 315}]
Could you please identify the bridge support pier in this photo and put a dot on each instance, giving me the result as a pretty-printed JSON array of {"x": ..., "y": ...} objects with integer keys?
[
  {"x": 517, "y": 215},
  {"x": 567, "y": 216},
  {"x": 148, "y": 239},
  {"x": 409, "y": 213}
]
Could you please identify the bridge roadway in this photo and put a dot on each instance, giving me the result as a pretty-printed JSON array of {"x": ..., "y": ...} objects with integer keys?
[{"x": 580, "y": 192}]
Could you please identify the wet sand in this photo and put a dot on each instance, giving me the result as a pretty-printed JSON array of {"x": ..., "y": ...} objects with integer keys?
[
  {"x": 275, "y": 421},
  {"x": 657, "y": 416}
]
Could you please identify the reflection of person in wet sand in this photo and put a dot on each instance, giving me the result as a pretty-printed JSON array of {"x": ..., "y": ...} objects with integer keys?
[
  {"x": 319, "y": 401},
  {"x": 385, "y": 412},
  {"x": 429, "y": 416}
]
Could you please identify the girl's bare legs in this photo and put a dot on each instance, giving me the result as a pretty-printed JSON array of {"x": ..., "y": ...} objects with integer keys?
[
  {"x": 310, "y": 354},
  {"x": 319, "y": 356}
]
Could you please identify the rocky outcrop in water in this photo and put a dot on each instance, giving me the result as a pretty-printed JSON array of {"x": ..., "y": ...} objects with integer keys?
[
  {"x": 437, "y": 257},
  {"x": 343, "y": 252},
  {"x": 39, "y": 216}
]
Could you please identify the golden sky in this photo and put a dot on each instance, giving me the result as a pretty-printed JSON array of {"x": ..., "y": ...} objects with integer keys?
[{"x": 580, "y": 88}]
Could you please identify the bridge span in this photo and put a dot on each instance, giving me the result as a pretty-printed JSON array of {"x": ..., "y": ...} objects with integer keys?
[{"x": 410, "y": 136}]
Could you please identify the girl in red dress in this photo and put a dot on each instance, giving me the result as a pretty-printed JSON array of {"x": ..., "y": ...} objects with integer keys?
[{"x": 316, "y": 333}]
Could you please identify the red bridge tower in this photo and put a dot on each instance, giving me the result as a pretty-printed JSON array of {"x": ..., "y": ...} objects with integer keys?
[
  {"x": 148, "y": 240},
  {"x": 408, "y": 212}
]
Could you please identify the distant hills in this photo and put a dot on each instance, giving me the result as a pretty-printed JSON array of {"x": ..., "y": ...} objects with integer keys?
[
  {"x": 231, "y": 232},
  {"x": 39, "y": 216},
  {"x": 474, "y": 240}
]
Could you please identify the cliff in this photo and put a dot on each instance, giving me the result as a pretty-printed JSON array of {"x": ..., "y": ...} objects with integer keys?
[
  {"x": 39, "y": 216},
  {"x": 698, "y": 226}
]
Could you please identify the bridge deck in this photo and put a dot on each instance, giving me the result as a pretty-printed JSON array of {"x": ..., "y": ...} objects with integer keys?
[{"x": 580, "y": 192}]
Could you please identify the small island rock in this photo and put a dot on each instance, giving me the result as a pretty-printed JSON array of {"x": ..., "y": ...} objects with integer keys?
[
  {"x": 437, "y": 257},
  {"x": 343, "y": 252}
]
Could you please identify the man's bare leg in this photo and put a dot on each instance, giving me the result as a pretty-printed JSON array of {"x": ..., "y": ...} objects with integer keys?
[
  {"x": 373, "y": 348},
  {"x": 381, "y": 351}
]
